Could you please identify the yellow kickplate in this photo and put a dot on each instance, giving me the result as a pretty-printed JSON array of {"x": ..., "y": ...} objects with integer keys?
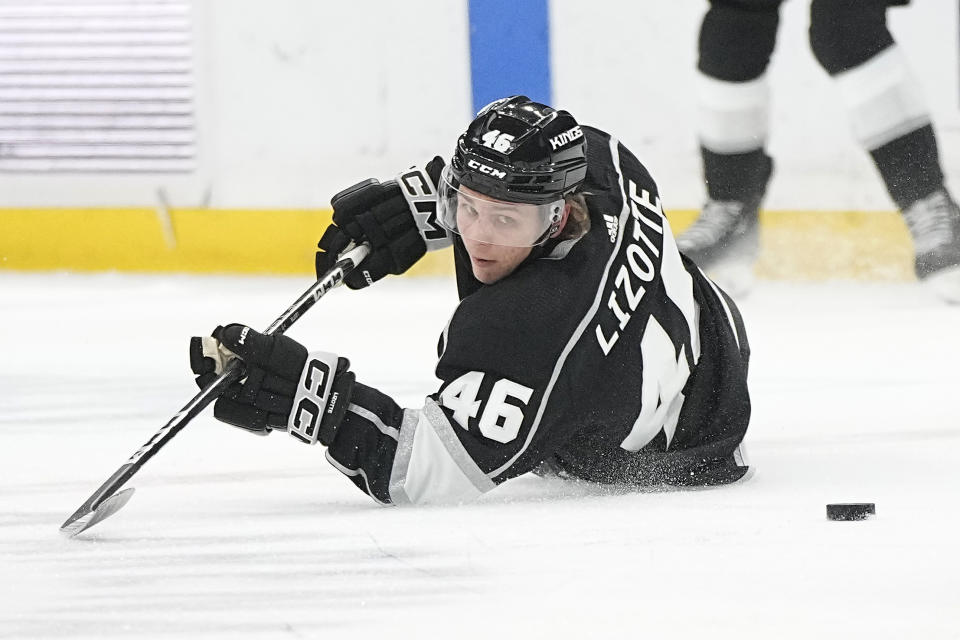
[
  {"x": 821, "y": 245},
  {"x": 794, "y": 244}
]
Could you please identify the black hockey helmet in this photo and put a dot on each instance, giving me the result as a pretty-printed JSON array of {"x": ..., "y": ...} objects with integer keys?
[
  {"x": 515, "y": 152},
  {"x": 521, "y": 151}
]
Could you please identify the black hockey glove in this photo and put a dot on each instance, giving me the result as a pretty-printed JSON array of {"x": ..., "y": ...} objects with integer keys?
[
  {"x": 383, "y": 215},
  {"x": 285, "y": 387}
]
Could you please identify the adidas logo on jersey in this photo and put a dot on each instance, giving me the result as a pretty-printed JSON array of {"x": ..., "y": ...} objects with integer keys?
[{"x": 613, "y": 225}]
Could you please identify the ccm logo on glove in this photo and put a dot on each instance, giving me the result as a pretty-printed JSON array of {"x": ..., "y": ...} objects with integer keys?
[
  {"x": 285, "y": 387},
  {"x": 311, "y": 396}
]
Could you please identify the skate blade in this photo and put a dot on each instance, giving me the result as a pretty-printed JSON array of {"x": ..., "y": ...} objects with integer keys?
[
  {"x": 83, "y": 520},
  {"x": 945, "y": 284},
  {"x": 736, "y": 278}
]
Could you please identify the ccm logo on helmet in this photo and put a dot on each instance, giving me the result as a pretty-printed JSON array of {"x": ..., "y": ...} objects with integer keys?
[
  {"x": 490, "y": 171},
  {"x": 566, "y": 137}
]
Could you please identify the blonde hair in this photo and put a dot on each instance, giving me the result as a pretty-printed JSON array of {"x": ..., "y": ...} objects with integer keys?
[{"x": 578, "y": 222}]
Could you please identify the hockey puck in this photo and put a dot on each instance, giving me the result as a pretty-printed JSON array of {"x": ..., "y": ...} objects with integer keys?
[{"x": 851, "y": 511}]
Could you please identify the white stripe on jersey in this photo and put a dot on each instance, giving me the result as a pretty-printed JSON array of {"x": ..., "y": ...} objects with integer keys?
[
  {"x": 445, "y": 337},
  {"x": 562, "y": 249},
  {"x": 431, "y": 466},
  {"x": 740, "y": 456},
  {"x": 726, "y": 307},
  {"x": 584, "y": 322},
  {"x": 353, "y": 472},
  {"x": 374, "y": 419},
  {"x": 678, "y": 285}
]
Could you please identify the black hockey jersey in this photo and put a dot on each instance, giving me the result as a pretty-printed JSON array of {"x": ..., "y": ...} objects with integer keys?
[{"x": 609, "y": 357}]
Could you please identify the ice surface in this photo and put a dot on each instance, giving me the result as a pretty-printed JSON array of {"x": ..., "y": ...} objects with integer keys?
[{"x": 232, "y": 536}]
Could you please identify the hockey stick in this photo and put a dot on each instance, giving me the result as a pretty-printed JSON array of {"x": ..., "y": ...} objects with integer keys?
[{"x": 106, "y": 501}]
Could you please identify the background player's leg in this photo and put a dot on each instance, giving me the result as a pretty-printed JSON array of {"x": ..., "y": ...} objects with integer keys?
[
  {"x": 851, "y": 42},
  {"x": 737, "y": 38}
]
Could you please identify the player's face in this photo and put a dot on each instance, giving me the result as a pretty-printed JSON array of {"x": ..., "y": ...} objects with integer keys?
[
  {"x": 509, "y": 224},
  {"x": 483, "y": 222},
  {"x": 493, "y": 262}
]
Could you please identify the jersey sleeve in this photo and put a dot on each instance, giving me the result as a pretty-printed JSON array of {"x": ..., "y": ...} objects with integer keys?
[{"x": 403, "y": 456}]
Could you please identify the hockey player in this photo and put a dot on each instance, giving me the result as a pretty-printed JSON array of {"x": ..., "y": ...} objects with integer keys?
[
  {"x": 584, "y": 343},
  {"x": 850, "y": 40}
]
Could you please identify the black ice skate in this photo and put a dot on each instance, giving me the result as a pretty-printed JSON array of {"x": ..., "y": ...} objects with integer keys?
[
  {"x": 934, "y": 224},
  {"x": 724, "y": 242}
]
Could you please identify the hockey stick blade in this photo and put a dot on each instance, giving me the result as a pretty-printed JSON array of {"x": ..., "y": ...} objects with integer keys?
[
  {"x": 108, "y": 499},
  {"x": 83, "y": 519}
]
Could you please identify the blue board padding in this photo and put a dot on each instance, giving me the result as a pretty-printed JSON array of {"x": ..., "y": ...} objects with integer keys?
[{"x": 509, "y": 50}]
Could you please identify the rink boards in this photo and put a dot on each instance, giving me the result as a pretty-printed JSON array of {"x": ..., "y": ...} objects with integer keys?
[{"x": 801, "y": 245}]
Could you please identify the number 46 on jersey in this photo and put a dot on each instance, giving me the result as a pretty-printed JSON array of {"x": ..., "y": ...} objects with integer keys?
[{"x": 501, "y": 414}]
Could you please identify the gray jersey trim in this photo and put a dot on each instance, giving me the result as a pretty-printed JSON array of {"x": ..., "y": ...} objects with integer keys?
[
  {"x": 584, "y": 323},
  {"x": 437, "y": 419},
  {"x": 374, "y": 419},
  {"x": 562, "y": 249},
  {"x": 353, "y": 473},
  {"x": 401, "y": 458},
  {"x": 444, "y": 430}
]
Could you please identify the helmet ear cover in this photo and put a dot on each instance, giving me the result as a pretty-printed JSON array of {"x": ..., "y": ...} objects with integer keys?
[{"x": 556, "y": 221}]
